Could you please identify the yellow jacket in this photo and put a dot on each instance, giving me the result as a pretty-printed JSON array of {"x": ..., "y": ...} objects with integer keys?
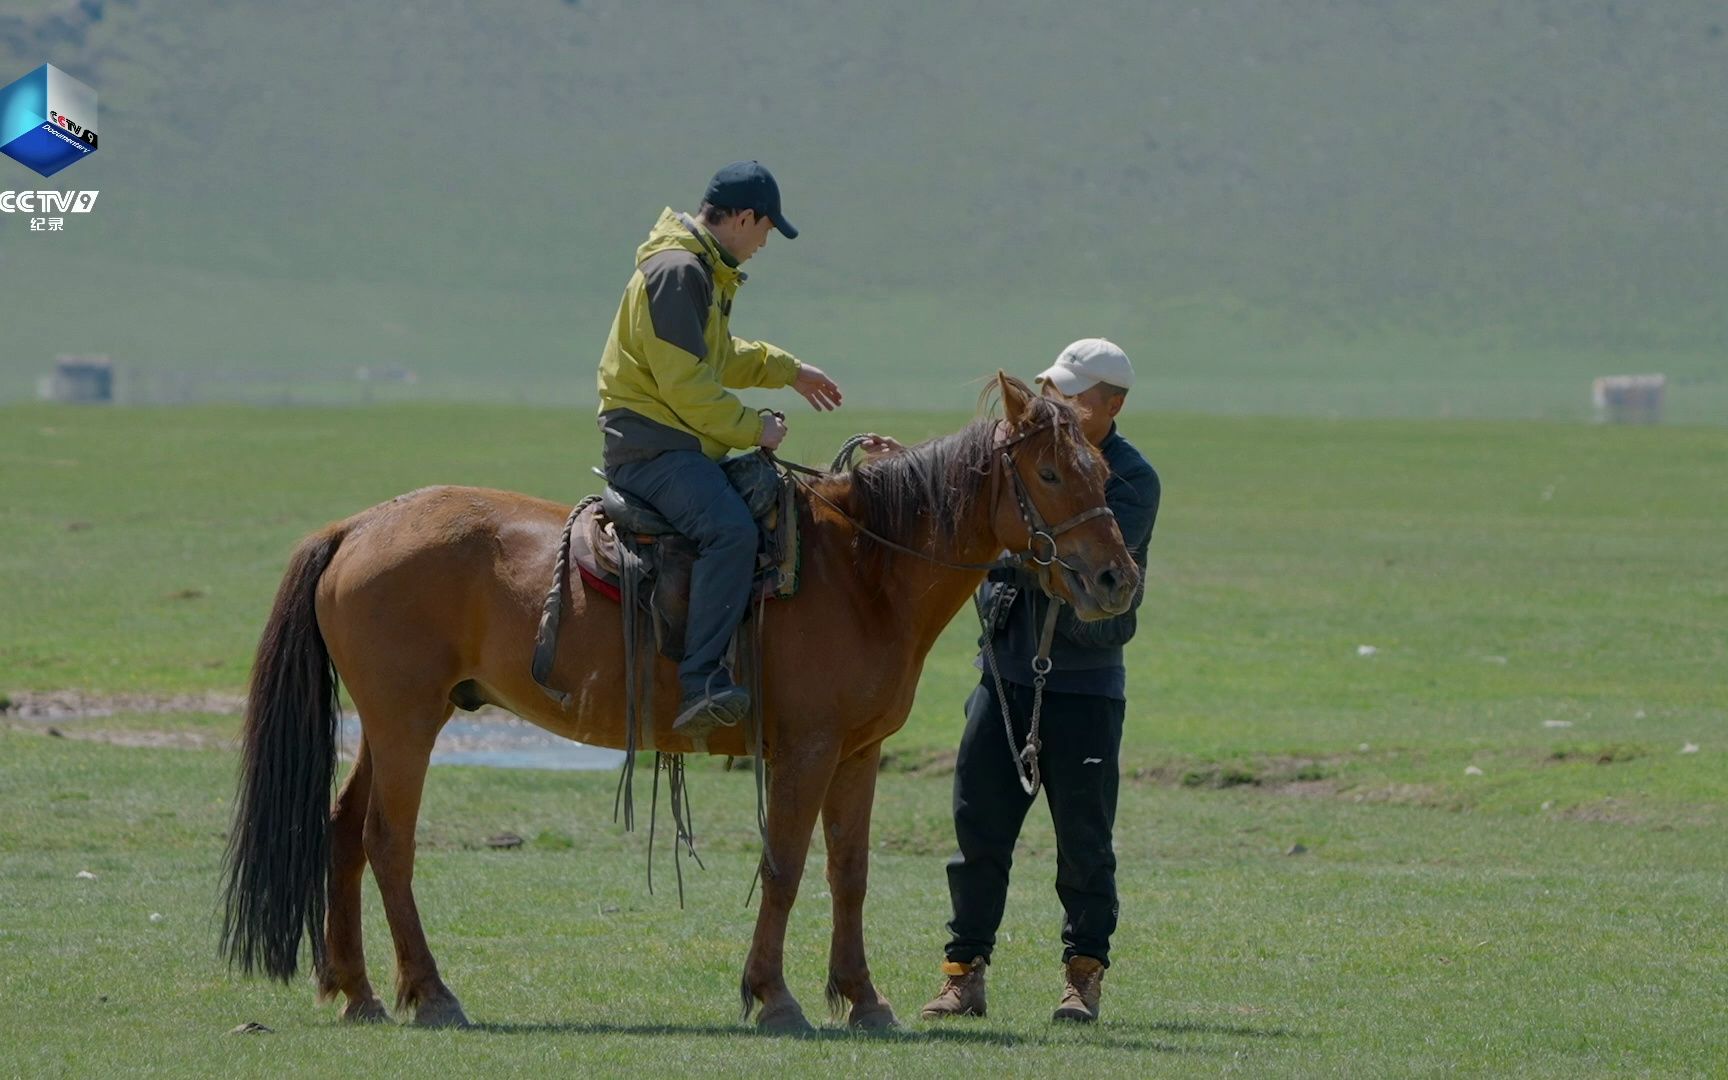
[{"x": 671, "y": 356}]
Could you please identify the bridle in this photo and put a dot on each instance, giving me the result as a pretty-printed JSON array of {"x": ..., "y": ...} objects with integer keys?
[{"x": 1036, "y": 528}]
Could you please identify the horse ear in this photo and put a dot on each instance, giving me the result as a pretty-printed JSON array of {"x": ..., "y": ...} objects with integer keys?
[{"x": 1016, "y": 399}]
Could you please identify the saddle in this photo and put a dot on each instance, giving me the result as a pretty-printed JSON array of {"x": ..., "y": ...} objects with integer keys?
[
  {"x": 619, "y": 534},
  {"x": 625, "y": 550}
]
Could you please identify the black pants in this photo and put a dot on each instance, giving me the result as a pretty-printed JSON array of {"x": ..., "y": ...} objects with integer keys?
[{"x": 1082, "y": 735}]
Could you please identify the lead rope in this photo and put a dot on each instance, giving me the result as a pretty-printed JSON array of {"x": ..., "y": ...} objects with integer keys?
[
  {"x": 1025, "y": 758},
  {"x": 843, "y": 459}
]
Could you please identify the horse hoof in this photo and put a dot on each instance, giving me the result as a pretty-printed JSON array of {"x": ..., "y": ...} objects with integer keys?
[
  {"x": 787, "y": 1019},
  {"x": 444, "y": 1013},
  {"x": 873, "y": 1018},
  {"x": 369, "y": 1011}
]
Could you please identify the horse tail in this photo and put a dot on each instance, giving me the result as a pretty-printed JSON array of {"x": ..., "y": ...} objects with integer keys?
[{"x": 278, "y": 855}]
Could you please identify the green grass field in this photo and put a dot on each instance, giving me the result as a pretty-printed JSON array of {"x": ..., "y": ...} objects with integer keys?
[{"x": 1548, "y": 607}]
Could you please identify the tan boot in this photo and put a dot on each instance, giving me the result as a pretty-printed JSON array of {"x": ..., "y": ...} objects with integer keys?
[
  {"x": 1085, "y": 983},
  {"x": 962, "y": 994}
]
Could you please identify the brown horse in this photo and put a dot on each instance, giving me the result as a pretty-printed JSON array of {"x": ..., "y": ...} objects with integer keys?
[{"x": 431, "y": 600}]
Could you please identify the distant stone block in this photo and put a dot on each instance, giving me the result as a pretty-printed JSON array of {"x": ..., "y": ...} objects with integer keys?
[
  {"x": 81, "y": 379},
  {"x": 1630, "y": 399}
]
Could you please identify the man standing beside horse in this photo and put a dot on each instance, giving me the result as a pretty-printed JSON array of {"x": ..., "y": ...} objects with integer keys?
[
  {"x": 668, "y": 414},
  {"x": 1083, "y": 706}
]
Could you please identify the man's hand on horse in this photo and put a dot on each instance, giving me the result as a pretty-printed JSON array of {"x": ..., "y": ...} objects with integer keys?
[
  {"x": 773, "y": 431},
  {"x": 875, "y": 445},
  {"x": 818, "y": 389}
]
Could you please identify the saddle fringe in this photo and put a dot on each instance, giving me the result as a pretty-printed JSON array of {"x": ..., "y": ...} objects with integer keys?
[{"x": 639, "y": 661}]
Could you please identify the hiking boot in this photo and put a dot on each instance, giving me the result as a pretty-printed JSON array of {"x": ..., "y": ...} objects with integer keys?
[
  {"x": 962, "y": 994},
  {"x": 700, "y": 714},
  {"x": 1085, "y": 982}
]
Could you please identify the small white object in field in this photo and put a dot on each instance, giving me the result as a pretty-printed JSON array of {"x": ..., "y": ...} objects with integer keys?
[
  {"x": 1362, "y": 748},
  {"x": 1548, "y": 805},
  {"x": 1366, "y": 650},
  {"x": 85, "y": 875},
  {"x": 155, "y": 916},
  {"x": 1471, "y": 770},
  {"x": 1639, "y": 715},
  {"x": 1689, "y": 748},
  {"x": 1556, "y": 723},
  {"x": 1501, "y": 660}
]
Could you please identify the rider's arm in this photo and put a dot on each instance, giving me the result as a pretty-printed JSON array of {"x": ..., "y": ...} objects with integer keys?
[
  {"x": 678, "y": 293},
  {"x": 757, "y": 363}
]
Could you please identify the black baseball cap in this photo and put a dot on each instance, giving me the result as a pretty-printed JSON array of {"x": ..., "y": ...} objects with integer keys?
[{"x": 748, "y": 185}]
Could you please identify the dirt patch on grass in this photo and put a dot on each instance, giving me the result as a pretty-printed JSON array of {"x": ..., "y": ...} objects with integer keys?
[
  {"x": 39, "y": 705},
  {"x": 49, "y": 705},
  {"x": 1606, "y": 809},
  {"x": 1280, "y": 773},
  {"x": 148, "y": 740},
  {"x": 1608, "y": 754}
]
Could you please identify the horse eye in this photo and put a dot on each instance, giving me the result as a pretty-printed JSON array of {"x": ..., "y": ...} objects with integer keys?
[{"x": 1048, "y": 474}]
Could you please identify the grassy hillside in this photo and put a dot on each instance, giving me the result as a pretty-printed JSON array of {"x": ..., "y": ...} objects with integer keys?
[{"x": 1351, "y": 207}]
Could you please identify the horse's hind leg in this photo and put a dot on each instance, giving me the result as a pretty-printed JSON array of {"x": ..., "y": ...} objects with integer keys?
[
  {"x": 401, "y": 738},
  {"x": 345, "y": 970}
]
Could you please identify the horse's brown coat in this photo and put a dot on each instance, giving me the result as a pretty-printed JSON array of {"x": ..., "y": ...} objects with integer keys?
[{"x": 442, "y": 588}]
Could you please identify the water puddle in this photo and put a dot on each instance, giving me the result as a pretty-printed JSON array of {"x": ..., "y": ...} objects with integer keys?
[
  {"x": 503, "y": 742},
  {"x": 489, "y": 737}
]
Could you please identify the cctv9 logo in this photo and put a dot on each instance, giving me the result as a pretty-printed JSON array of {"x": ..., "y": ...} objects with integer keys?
[{"x": 87, "y": 134}]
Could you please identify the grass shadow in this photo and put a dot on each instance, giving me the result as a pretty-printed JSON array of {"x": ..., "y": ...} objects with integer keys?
[
  {"x": 1103, "y": 1038},
  {"x": 1245, "y": 1031}
]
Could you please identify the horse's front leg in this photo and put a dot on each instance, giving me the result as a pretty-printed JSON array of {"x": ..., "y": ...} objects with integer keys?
[
  {"x": 797, "y": 782},
  {"x": 846, "y": 823}
]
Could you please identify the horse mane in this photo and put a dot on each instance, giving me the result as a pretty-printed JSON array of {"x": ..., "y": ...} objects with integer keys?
[{"x": 937, "y": 483}]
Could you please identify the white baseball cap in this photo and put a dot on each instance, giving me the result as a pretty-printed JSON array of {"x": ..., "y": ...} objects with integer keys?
[{"x": 1088, "y": 362}]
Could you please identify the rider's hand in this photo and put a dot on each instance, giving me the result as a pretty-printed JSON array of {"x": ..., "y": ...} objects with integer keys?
[
  {"x": 818, "y": 389},
  {"x": 875, "y": 445},
  {"x": 773, "y": 431}
]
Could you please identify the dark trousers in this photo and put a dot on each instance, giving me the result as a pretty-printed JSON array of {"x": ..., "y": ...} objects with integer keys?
[
  {"x": 1082, "y": 735},
  {"x": 691, "y": 491}
]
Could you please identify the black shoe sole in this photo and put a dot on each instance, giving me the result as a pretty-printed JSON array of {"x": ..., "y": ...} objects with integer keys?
[{"x": 706, "y": 720}]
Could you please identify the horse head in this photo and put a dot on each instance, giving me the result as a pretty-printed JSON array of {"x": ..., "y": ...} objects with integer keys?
[{"x": 1047, "y": 501}]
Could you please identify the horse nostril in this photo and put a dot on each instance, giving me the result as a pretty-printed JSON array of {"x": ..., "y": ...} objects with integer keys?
[{"x": 1108, "y": 580}]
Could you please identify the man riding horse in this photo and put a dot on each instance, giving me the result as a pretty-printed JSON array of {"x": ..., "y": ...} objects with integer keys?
[
  {"x": 668, "y": 416},
  {"x": 430, "y": 602}
]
